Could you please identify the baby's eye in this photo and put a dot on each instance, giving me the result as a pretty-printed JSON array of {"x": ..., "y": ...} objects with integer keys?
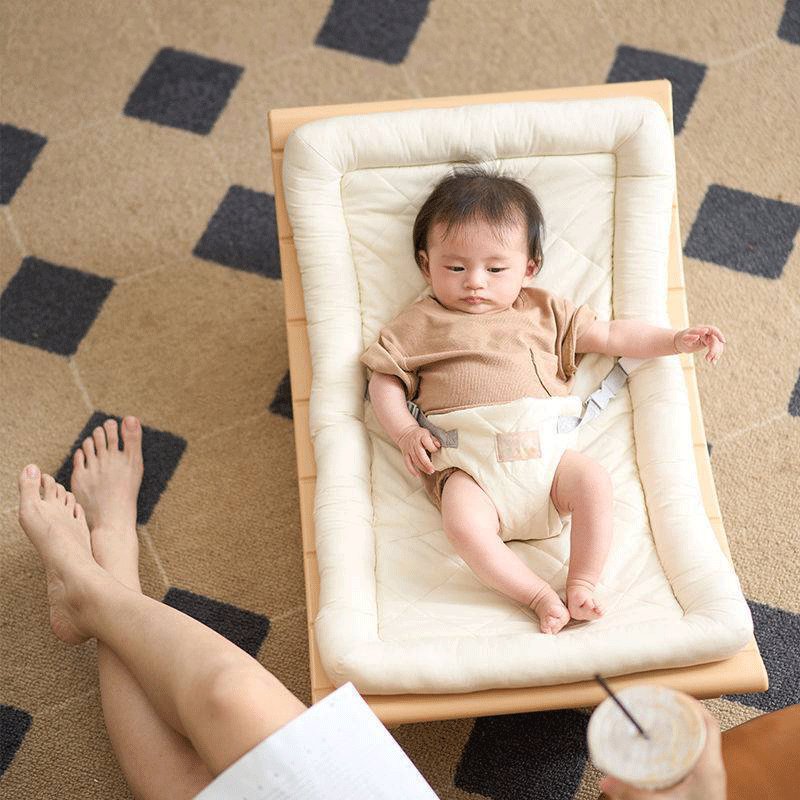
[
  {"x": 497, "y": 269},
  {"x": 455, "y": 269}
]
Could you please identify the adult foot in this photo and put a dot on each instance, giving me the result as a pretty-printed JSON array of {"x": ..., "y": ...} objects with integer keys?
[
  {"x": 581, "y": 602},
  {"x": 56, "y": 525},
  {"x": 106, "y": 482},
  {"x": 552, "y": 613}
]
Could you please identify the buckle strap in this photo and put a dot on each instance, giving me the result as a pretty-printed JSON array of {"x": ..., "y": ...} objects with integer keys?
[
  {"x": 446, "y": 438},
  {"x": 595, "y": 403},
  {"x": 600, "y": 398}
]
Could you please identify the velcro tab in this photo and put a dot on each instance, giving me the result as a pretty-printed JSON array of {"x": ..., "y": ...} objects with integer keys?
[{"x": 517, "y": 446}]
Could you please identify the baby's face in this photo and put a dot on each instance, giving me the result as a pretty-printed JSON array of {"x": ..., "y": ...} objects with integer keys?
[{"x": 476, "y": 270}]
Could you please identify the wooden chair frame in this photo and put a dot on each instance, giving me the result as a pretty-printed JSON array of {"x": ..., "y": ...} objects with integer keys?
[{"x": 744, "y": 672}]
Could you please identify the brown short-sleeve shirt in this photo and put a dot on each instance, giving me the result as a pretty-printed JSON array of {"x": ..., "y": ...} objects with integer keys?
[{"x": 449, "y": 360}]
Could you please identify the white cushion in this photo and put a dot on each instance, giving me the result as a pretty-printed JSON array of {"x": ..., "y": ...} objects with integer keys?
[{"x": 399, "y": 610}]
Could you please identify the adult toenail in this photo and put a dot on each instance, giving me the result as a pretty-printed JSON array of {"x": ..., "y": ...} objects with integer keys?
[
  {"x": 32, "y": 471},
  {"x": 132, "y": 423}
]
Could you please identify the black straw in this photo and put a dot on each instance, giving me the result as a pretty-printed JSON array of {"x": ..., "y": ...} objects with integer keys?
[{"x": 622, "y": 707}]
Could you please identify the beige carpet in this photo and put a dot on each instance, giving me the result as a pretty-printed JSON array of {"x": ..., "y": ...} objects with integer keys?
[{"x": 139, "y": 276}]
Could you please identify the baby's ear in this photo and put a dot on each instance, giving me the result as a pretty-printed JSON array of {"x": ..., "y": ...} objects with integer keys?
[
  {"x": 422, "y": 261},
  {"x": 533, "y": 267}
]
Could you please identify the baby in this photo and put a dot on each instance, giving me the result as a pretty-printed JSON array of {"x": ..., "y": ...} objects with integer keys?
[{"x": 481, "y": 339}]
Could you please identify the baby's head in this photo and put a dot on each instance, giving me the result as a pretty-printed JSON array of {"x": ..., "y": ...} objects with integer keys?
[{"x": 476, "y": 238}]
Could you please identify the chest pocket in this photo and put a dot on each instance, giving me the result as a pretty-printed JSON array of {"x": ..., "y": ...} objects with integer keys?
[{"x": 546, "y": 366}]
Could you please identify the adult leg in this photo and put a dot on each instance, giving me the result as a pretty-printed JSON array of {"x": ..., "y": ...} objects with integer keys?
[
  {"x": 156, "y": 760},
  {"x": 202, "y": 685},
  {"x": 471, "y": 524},
  {"x": 583, "y": 488}
]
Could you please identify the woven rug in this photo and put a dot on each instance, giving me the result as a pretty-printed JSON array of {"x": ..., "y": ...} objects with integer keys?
[{"x": 139, "y": 275}]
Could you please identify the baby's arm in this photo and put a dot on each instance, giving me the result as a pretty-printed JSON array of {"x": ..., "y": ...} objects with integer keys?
[
  {"x": 388, "y": 398},
  {"x": 637, "y": 339}
]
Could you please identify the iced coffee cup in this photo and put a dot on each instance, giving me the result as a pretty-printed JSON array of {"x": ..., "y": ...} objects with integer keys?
[{"x": 675, "y": 731}]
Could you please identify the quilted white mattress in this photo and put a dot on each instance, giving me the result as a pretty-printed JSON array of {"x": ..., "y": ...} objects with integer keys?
[{"x": 399, "y": 610}]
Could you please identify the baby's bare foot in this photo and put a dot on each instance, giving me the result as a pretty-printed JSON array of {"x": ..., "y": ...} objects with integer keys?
[
  {"x": 581, "y": 602},
  {"x": 552, "y": 613},
  {"x": 106, "y": 482},
  {"x": 56, "y": 526}
]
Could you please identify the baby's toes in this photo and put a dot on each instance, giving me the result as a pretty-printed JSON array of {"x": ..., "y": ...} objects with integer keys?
[
  {"x": 554, "y": 619},
  {"x": 584, "y": 607}
]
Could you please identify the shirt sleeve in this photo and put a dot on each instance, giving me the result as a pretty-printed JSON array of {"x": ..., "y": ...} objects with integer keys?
[
  {"x": 571, "y": 322},
  {"x": 386, "y": 355}
]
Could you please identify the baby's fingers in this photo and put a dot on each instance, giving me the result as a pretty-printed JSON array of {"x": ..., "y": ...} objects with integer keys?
[
  {"x": 423, "y": 459},
  {"x": 410, "y": 465},
  {"x": 716, "y": 332},
  {"x": 715, "y": 349}
]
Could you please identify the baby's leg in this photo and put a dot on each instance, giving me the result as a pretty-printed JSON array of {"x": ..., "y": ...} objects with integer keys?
[
  {"x": 583, "y": 488},
  {"x": 471, "y": 524}
]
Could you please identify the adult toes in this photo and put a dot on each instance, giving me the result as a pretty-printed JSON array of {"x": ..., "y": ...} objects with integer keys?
[
  {"x": 49, "y": 484},
  {"x": 30, "y": 480},
  {"x": 99, "y": 436},
  {"x": 88, "y": 450},
  {"x": 110, "y": 426},
  {"x": 132, "y": 435},
  {"x": 61, "y": 493},
  {"x": 78, "y": 459},
  {"x": 70, "y": 501}
]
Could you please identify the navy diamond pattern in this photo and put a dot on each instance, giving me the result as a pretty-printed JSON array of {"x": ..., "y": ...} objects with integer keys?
[
  {"x": 282, "y": 402},
  {"x": 777, "y": 634},
  {"x": 794, "y": 400},
  {"x": 789, "y": 29},
  {"x": 51, "y": 307},
  {"x": 243, "y": 233},
  {"x": 161, "y": 452},
  {"x": 686, "y": 76},
  {"x": 382, "y": 31},
  {"x": 743, "y": 231},
  {"x": 14, "y": 724},
  {"x": 183, "y": 90},
  {"x": 18, "y": 151},
  {"x": 525, "y": 756},
  {"x": 244, "y": 628}
]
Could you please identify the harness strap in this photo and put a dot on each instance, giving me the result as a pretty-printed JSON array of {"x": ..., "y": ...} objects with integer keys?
[
  {"x": 446, "y": 438},
  {"x": 600, "y": 398},
  {"x": 595, "y": 403}
]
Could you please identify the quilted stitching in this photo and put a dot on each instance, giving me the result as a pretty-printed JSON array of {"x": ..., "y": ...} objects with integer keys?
[{"x": 414, "y": 579}]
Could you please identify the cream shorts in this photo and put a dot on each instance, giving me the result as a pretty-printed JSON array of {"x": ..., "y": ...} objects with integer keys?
[
  {"x": 511, "y": 450},
  {"x": 336, "y": 750}
]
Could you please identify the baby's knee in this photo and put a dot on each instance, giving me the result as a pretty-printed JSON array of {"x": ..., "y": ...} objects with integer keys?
[
  {"x": 593, "y": 480},
  {"x": 577, "y": 478}
]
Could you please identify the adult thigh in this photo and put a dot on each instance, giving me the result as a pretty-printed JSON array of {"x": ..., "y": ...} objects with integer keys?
[{"x": 242, "y": 707}]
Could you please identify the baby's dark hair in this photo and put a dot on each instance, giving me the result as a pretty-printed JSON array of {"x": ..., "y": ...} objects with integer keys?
[{"x": 474, "y": 193}]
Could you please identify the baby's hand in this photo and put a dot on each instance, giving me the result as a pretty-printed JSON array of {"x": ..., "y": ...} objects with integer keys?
[
  {"x": 415, "y": 443},
  {"x": 690, "y": 340}
]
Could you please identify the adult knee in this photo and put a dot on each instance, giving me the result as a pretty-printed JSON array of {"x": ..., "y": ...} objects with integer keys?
[{"x": 231, "y": 691}]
